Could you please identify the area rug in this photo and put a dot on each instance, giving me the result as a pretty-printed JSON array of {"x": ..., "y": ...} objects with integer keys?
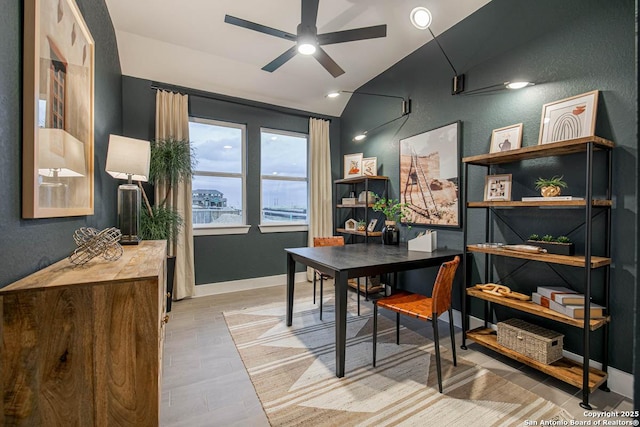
[{"x": 293, "y": 372}]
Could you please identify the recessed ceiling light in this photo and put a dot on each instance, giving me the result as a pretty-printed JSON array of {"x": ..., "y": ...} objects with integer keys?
[{"x": 420, "y": 18}]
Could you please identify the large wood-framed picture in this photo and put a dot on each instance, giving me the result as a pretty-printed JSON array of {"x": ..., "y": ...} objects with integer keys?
[
  {"x": 58, "y": 110},
  {"x": 430, "y": 176}
]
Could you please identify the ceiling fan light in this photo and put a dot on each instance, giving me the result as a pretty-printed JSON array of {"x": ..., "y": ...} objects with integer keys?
[
  {"x": 420, "y": 17},
  {"x": 306, "y": 48},
  {"x": 517, "y": 85}
]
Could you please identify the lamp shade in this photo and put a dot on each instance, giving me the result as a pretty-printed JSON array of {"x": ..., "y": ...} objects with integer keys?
[
  {"x": 60, "y": 154},
  {"x": 128, "y": 157}
]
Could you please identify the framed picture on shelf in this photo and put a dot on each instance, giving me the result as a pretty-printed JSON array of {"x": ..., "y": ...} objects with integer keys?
[
  {"x": 352, "y": 165},
  {"x": 370, "y": 166},
  {"x": 497, "y": 188},
  {"x": 372, "y": 225},
  {"x": 58, "y": 112},
  {"x": 430, "y": 176},
  {"x": 569, "y": 118},
  {"x": 506, "y": 138}
]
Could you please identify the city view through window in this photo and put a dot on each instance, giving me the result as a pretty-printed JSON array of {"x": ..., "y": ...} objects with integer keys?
[
  {"x": 218, "y": 183},
  {"x": 219, "y": 179},
  {"x": 284, "y": 187}
]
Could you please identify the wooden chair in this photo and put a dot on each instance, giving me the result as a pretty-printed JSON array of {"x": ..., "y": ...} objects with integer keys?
[
  {"x": 425, "y": 308},
  {"x": 324, "y": 241}
]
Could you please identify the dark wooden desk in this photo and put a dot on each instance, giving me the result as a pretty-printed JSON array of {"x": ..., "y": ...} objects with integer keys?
[{"x": 357, "y": 260}]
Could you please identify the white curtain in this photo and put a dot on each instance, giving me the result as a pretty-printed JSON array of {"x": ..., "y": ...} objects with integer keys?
[
  {"x": 320, "y": 183},
  {"x": 172, "y": 120}
]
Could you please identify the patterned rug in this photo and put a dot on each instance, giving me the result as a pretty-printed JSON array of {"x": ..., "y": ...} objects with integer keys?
[{"x": 293, "y": 372}]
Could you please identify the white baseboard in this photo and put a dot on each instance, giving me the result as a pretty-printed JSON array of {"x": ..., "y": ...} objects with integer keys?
[
  {"x": 619, "y": 381},
  {"x": 246, "y": 284}
]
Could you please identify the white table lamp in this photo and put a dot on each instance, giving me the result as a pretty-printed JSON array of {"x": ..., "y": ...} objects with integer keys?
[{"x": 128, "y": 158}]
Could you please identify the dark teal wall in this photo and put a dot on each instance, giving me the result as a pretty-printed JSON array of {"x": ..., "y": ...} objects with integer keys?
[
  {"x": 28, "y": 245},
  {"x": 232, "y": 257},
  {"x": 568, "y": 48}
]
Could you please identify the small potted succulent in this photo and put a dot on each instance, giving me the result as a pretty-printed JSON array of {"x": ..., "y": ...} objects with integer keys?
[
  {"x": 393, "y": 211},
  {"x": 550, "y": 187},
  {"x": 361, "y": 226},
  {"x": 561, "y": 245}
]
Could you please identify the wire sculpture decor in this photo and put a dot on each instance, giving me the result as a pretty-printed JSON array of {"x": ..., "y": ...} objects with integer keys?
[{"x": 92, "y": 243}]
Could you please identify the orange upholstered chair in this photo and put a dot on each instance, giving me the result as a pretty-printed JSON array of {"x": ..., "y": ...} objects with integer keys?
[
  {"x": 425, "y": 308},
  {"x": 324, "y": 241}
]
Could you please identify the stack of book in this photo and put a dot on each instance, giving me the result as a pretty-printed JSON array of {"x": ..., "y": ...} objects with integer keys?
[{"x": 565, "y": 301}]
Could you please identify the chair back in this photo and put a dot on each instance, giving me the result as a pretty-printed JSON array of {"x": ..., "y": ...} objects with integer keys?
[
  {"x": 328, "y": 241},
  {"x": 441, "y": 294}
]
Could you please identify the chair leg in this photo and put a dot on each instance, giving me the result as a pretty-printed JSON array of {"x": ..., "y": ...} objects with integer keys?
[
  {"x": 434, "y": 322},
  {"x": 321, "y": 282},
  {"x": 375, "y": 332},
  {"x": 398, "y": 328},
  {"x": 453, "y": 340},
  {"x": 366, "y": 288},
  {"x": 314, "y": 286}
]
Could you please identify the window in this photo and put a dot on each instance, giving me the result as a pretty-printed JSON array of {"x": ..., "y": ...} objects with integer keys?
[
  {"x": 284, "y": 182},
  {"x": 218, "y": 184}
]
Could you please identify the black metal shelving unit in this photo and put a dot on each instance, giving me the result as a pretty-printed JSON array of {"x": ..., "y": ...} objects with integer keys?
[
  {"x": 580, "y": 375},
  {"x": 364, "y": 183}
]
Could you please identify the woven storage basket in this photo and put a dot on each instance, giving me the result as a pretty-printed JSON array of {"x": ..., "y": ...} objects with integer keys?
[{"x": 533, "y": 341}]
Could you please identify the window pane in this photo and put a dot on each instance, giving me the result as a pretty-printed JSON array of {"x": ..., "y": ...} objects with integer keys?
[
  {"x": 216, "y": 200},
  {"x": 218, "y": 148},
  {"x": 283, "y": 155},
  {"x": 284, "y": 201}
]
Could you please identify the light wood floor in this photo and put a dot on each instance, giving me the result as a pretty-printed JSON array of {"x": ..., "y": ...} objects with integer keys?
[{"x": 206, "y": 384}]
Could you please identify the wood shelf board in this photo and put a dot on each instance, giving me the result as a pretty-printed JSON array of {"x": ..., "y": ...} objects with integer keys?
[
  {"x": 357, "y": 205},
  {"x": 559, "y": 148},
  {"x": 574, "y": 261},
  {"x": 359, "y": 179},
  {"x": 538, "y": 310},
  {"x": 546, "y": 203},
  {"x": 566, "y": 370},
  {"x": 359, "y": 233},
  {"x": 371, "y": 289}
]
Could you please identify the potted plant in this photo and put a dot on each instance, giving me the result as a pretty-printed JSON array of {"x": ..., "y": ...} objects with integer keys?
[
  {"x": 172, "y": 162},
  {"x": 393, "y": 211},
  {"x": 361, "y": 225},
  {"x": 550, "y": 187},
  {"x": 561, "y": 245}
]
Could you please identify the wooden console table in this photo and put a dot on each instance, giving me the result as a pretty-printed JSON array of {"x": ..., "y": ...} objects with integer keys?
[{"x": 82, "y": 345}]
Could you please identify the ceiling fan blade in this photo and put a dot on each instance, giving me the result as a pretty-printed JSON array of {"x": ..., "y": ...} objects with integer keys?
[
  {"x": 276, "y": 63},
  {"x": 259, "y": 28},
  {"x": 353, "y": 35},
  {"x": 329, "y": 64},
  {"x": 309, "y": 13}
]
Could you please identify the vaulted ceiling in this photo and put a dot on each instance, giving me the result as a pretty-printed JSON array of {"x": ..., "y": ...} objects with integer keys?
[{"x": 187, "y": 43}]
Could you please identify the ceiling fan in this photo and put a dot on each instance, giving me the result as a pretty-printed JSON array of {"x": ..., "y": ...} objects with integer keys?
[{"x": 307, "y": 39}]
